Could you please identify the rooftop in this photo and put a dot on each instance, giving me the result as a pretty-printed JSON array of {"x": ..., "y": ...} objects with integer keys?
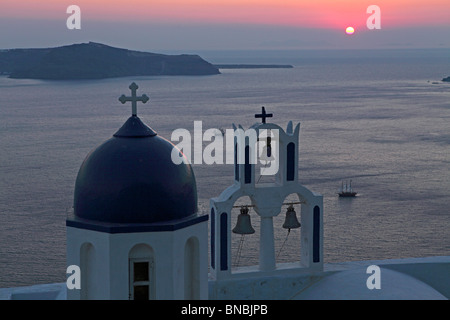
[{"x": 401, "y": 279}]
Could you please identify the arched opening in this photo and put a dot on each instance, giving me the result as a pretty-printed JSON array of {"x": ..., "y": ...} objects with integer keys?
[
  {"x": 88, "y": 271},
  {"x": 244, "y": 246},
  {"x": 267, "y": 162},
  {"x": 213, "y": 239},
  {"x": 223, "y": 241},
  {"x": 287, "y": 232},
  {"x": 316, "y": 234},
  {"x": 247, "y": 166},
  {"x": 141, "y": 273},
  {"x": 236, "y": 165},
  {"x": 191, "y": 269},
  {"x": 290, "y": 161}
]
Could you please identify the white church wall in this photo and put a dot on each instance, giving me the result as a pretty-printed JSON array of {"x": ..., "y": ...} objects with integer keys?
[
  {"x": 104, "y": 260},
  {"x": 197, "y": 234},
  {"x": 89, "y": 250}
]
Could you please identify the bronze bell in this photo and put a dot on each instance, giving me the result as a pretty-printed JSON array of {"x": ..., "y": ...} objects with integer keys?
[
  {"x": 266, "y": 154},
  {"x": 243, "y": 224},
  {"x": 291, "y": 221}
]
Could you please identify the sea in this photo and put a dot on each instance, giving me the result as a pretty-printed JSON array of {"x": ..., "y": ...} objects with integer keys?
[{"x": 380, "y": 118}]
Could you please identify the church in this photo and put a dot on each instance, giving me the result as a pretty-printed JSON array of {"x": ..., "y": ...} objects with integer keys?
[{"x": 136, "y": 233}]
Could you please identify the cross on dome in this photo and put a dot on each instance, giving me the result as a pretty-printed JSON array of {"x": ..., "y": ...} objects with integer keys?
[
  {"x": 134, "y": 99},
  {"x": 264, "y": 115}
]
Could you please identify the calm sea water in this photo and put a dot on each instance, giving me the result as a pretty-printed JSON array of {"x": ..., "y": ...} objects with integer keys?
[{"x": 380, "y": 118}]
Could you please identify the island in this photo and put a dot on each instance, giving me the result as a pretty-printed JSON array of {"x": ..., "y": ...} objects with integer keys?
[
  {"x": 446, "y": 79},
  {"x": 97, "y": 61},
  {"x": 253, "y": 66}
]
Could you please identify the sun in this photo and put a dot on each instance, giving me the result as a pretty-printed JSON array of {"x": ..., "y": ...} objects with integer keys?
[{"x": 350, "y": 30}]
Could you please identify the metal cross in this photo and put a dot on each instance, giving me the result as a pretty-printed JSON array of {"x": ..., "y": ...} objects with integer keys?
[
  {"x": 134, "y": 99},
  {"x": 264, "y": 115}
]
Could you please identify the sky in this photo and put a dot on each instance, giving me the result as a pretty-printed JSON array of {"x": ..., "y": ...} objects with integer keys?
[{"x": 189, "y": 25}]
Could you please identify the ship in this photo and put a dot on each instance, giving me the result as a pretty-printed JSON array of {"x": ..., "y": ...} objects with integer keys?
[{"x": 347, "y": 191}]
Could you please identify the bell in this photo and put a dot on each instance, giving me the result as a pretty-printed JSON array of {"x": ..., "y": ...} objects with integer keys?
[
  {"x": 243, "y": 224},
  {"x": 266, "y": 154},
  {"x": 291, "y": 221}
]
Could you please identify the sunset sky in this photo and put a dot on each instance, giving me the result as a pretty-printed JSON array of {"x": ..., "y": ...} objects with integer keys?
[{"x": 226, "y": 24}]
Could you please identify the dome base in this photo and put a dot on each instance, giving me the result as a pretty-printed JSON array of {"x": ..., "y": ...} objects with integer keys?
[{"x": 108, "y": 227}]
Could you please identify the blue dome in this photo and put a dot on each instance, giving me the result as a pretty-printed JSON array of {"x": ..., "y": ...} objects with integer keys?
[{"x": 131, "y": 178}]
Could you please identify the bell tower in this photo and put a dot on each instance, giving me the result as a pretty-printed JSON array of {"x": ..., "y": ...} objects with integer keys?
[{"x": 269, "y": 143}]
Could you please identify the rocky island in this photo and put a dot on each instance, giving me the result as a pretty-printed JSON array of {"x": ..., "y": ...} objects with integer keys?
[
  {"x": 446, "y": 79},
  {"x": 97, "y": 61}
]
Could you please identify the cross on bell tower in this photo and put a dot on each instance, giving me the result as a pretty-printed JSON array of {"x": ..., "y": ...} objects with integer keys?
[
  {"x": 134, "y": 99},
  {"x": 264, "y": 115}
]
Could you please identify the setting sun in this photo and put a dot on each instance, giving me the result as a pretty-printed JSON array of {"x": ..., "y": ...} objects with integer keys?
[{"x": 349, "y": 30}]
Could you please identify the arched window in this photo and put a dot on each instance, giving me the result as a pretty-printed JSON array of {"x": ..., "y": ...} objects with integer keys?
[
  {"x": 290, "y": 162},
  {"x": 247, "y": 166},
  {"x": 236, "y": 165},
  {"x": 316, "y": 234},
  {"x": 213, "y": 238},
  {"x": 142, "y": 274},
  {"x": 223, "y": 241},
  {"x": 191, "y": 269}
]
